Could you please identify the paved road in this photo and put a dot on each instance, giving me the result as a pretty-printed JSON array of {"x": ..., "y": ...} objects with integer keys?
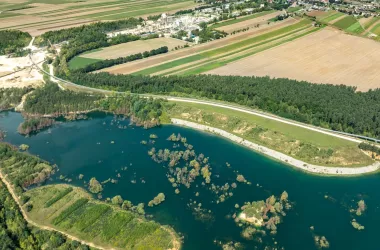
[{"x": 346, "y": 136}]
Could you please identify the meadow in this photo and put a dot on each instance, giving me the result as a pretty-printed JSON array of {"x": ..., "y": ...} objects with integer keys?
[{"x": 73, "y": 210}]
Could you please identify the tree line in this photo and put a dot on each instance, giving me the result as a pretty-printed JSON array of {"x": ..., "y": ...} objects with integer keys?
[
  {"x": 339, "y": 108},
  {"x": 13, "y": 41},
  {"x": 58, "y": 36},
  {"x": 111, "y": 62}
]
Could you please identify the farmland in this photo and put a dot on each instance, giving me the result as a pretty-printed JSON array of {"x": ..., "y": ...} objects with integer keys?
[
  {"x": 135, "y": 47},
  {"x": 37, "y": 17},
  {"x": 218, "y": 57},
  {"x": 316, "y": 58},
  {"x": 184, "y": 54},
  {"x": 72, "y": 210}
]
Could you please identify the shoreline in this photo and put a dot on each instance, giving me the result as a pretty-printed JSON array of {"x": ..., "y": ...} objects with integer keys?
[{"x": 283, "y": 158}]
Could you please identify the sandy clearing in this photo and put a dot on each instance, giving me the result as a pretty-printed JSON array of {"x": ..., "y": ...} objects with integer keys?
[
  {"x": 131, "y": 67},
  {"x": 327, "y": 56},
  {"x": 135, "y": 47},
  {"x": 249, "y": 23},
  {"x": 280, "y": 156}
]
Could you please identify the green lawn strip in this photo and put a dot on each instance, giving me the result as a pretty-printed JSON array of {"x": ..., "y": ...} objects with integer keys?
[
  {"x": 80, "y": 62},
  {"x": 169, "y": 65},
  {"x": 144, "y": 11},
  {"x": 228, "y": 48},
  {"x": 241, "y": 50},
  {"x": 331, "y": 17},
  {"x": 345, "y": 22},
  {"x": 214, "y": 65},
  {"x": 9, "y": 14},
  {"x": 238, "y": 20},
  {"x": 376, "y": 29},
  {"x": 279, "y": 136},
  {"x": 355, "y": 28}
]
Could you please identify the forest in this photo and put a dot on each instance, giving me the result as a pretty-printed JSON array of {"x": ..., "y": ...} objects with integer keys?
[
  {"x": 12, "y": 41},
  {"x": 340, "y": 108},
  {"x": 15, "y": 233},
  {"x": 111, "y": 62},
  {"x": 11, "y": 97},
  {"x": 51, "y": 100}
]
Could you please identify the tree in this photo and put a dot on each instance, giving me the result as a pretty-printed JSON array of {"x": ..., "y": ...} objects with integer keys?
[
  {"x": 117, "y": 200},
  {"x": 94, "y": 186}
]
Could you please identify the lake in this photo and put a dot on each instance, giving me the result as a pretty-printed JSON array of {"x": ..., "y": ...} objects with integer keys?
[{"x": 104, "y": 147}]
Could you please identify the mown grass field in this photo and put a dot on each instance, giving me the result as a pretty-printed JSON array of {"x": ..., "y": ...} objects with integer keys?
[
  {"x": 72, "y": 210},
  {"x": 376, "y": 29},
  {"x": 80, "y": 62},
  {"x": 300, "y": 143},
  {"x": 345, "y": 22},
  {"x": 331, "y": 17}
]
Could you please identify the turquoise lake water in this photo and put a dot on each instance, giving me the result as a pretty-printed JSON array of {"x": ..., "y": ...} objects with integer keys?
[{"x": 84, "y": 147}]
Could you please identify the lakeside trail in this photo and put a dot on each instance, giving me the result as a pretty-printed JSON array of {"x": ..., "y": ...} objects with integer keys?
[
  {"x": 322, "y": 170},
  {"x": 31, "y": 222}
]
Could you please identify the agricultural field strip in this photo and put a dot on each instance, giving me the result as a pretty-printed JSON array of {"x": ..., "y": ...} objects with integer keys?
[
  {"x": 224, "y": 49},
  {"x": 265, "y": 47},
  {"x": 144, "y": 7},
  {"x": 81, "y": 7},
  {"x": 144, "y": 12},
  {"x": 376, "y": 29},
  {"x": 331, "y": 17},
  {"x": 103, "y": 10},
  {"x": 242, "y": 19},
  {"x": 241, "y": 50}
]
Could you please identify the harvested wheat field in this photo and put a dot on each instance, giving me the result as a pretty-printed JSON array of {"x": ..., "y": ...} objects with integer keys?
[
  {"x": 327, "y": 56},
  {"x": 135, "y": 47}
]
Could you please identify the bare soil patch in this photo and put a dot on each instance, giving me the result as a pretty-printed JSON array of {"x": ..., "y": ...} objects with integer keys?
[
  {"x": 135, "y": 47},
  {"x": 327, "y": 56},
  {"x": 316, "y": 13}
]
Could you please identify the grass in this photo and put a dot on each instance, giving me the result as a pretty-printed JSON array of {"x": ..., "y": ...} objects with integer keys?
[
  {"x": 309, "y": 146},
  {"x": 332, "y": 17},
  {"x": 345, "y": 22},
  {"x": 371, "y": 22},
  {"x": 376, "y": 29},
  {"x": 356, "y": 28},
  {"x": 101, "y": 223},
  {"x": 238, "y": 20},
  {"x": 293, "y": 9},
  {"x": 80, "y": 62},
  {"x": 221, "y": 50}
]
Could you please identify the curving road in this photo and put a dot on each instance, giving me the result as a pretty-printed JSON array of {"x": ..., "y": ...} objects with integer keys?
[{"x": 63, "y": 84}]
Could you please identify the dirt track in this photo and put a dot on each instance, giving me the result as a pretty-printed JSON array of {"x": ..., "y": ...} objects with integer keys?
[{"x": 327, "y": 56}]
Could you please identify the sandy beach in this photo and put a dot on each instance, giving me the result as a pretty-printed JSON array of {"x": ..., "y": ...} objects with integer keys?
[{"x": 280, "y": 156}]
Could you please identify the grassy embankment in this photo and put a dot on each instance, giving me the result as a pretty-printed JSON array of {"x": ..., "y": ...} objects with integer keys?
[
  {"x": 303, "y": 144},
  {"x": 76, "y": 213},
  {"x": 218, "y": 57},
  {"x": 242, "y": 19}
]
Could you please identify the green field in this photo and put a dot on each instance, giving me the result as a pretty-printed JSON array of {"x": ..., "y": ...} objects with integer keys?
[
  {"x": 238, "y": 20},
  {"x": 80, "y": 62},
  {"x": 104, "y": 224},
  {"x": 331, "y": 17},
  {"x": 345, "y": 23},
  {"x": 355, "y": 28},
  {"x": 376, "y": 29},
  {"x": 304, "y": 144},
  {"x": 293, "y": 9},
  {"x": 371, "y": 22}
]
